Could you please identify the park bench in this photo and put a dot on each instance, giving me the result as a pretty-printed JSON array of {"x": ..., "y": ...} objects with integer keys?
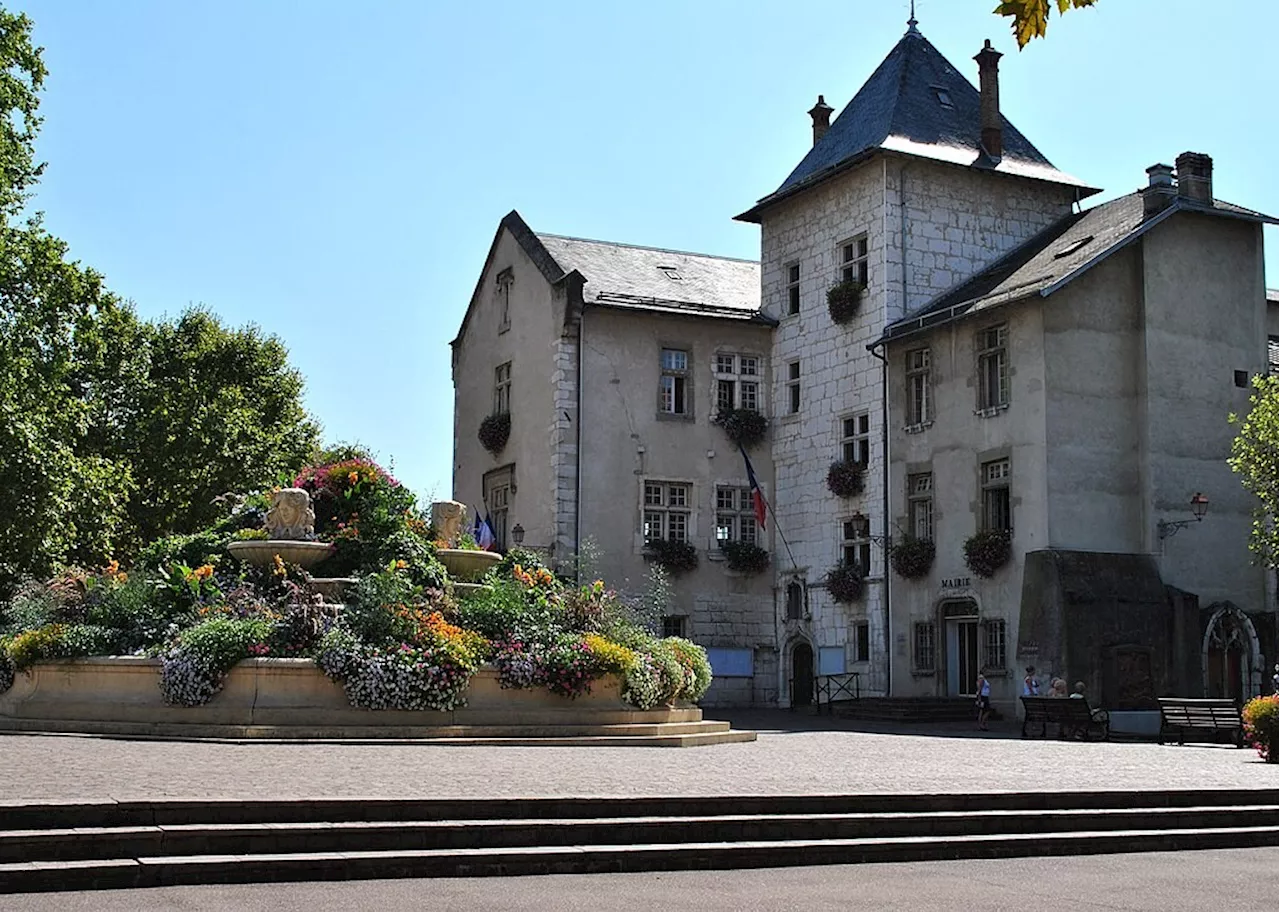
[
  {"x": 1072, "y": 715},
  {"x": 1183, "y": 714}
]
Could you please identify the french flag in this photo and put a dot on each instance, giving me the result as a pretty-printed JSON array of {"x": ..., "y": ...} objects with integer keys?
[{"x": 757, "y": 496}]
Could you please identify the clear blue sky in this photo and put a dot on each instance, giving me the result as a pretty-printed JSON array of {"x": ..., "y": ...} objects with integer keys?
[{"x": 336, "y": 173}]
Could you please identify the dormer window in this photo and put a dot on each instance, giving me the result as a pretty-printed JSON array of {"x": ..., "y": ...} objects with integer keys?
[
  {"x": 943, "y": 96},
  {"x": 671, "y": 272}
]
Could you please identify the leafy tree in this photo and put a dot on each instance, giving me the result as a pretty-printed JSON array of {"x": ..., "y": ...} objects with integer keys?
[
  {"x": 1254, "y": 455},
  {"x": 1031, "y": 17},
  {"x": 219, "y": 410}
]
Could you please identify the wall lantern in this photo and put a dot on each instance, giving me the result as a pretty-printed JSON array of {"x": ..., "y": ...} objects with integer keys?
[
  {"x": 1199, "y": 507},
  {"x": 517, "y": 533}
]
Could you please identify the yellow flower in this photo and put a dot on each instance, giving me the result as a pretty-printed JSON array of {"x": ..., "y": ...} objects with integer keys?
[{"x": 400, "y": 565}]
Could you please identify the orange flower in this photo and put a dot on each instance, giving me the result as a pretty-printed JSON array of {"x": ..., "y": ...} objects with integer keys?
[
  {"x": 353, "y": 477},
  {"x": 203, "y": 573}
]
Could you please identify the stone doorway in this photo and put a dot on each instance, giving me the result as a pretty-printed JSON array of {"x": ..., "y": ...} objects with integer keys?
[
  {"x": 960, "y": 630},
  {"x": 1230, "y": 656},
  {"x": 802, "y": 675}
]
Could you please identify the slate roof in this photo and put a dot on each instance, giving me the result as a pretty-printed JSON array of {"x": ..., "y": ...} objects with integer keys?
[
  {"x": 1054, "y": 257},
  {"x": 898, "y": 109},
  {"x": 654, "y": 279}
]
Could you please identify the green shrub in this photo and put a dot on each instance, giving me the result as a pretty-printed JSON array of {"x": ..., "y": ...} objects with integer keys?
[
  {"x": 195, "y": 668},
  {"x": 189, "y": 550},
  {"x": 33, "y": 605},
  {"x": 693, "y": 658},
  {"x": 79, "y": 640},
  {"x": 31, "y": 646}
]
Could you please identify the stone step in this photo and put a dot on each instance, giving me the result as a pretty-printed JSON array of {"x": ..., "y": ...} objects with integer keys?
[
  {"x": 30, "y": 876},
  {"x": 622, "y": 734},
  {"x": 45, "y": 815},
  {"x": 86, "y": 843}
]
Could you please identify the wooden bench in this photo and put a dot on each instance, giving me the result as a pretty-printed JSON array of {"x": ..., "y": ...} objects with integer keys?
[
  {"x": 1072, "y": 715},
  {"x": 1183, "y": 714}
]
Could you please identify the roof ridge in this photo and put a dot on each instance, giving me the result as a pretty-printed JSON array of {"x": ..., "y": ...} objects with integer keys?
[{"x": 708, "y": 256}]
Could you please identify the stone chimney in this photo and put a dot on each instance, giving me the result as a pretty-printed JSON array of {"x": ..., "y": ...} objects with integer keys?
[
  {"x": 989, "y": 86},
  {"x": 821, "y": 114},
  {"x": 1160, "y": 190},
  {"x": 1195, "y": 177}
]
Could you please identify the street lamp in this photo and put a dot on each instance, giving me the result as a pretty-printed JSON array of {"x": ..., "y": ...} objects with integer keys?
[
  {"x": 1199, "y": 507},
  {"x": 517, "y": 534}
]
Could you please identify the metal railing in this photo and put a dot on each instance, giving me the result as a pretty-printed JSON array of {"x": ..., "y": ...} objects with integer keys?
[{"x": 847, "y": 685}]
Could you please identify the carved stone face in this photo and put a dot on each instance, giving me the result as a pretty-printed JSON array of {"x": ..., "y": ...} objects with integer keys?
[
  {"x": 448, "y": 517},
  {"x": 291, "y": 516}
]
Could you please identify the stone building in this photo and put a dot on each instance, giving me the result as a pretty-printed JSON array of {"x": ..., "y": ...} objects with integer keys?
[
  {"x": 1074, "y": 395},
  {"x": 952, "y": 239},
  {"x": 611, "y": 360}
]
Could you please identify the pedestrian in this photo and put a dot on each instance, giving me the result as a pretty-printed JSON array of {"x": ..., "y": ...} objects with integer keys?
[
  {"x": 1030, "y": 686},
  {"x": 1058, "y": 688},
  {"x": 984, "y": 702}
]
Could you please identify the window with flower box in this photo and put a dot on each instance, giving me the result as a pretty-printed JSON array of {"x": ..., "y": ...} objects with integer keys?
[
  {"x": 737, "y": 382},
  {"x": 997, "y": 511},
  {"x": 735, "y": 515},
  {"x": 855, "y": 439},
  {"x": 853, "y": 260},
  {"x": 855, "y": 545},
  {"x": 502, "y": 389},
  {"x": 666, "y": 511},
  {"x": 920, "y": 505}
]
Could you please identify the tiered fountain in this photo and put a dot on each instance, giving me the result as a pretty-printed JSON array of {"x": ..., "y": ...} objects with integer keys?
[
  {"x": 292, "y": 538},
  {"x": 466, "y": 567}
]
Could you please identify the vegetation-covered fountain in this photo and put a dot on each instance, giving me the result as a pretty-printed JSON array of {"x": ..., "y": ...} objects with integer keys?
[{"x": 417, "y": 634}]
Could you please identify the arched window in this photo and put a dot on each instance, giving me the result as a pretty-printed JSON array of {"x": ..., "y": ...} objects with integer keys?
[{"x": 795, "y": 600}]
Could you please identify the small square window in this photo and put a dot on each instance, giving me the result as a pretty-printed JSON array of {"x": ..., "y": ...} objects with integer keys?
[
  {"x": 1242, "y": 379},
  {"x": 673, "y": 625}
]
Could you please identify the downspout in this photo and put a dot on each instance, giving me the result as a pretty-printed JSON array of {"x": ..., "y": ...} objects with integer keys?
[
  {"x": 884, "y": 484},
  {"x": 577, "y": 471}
]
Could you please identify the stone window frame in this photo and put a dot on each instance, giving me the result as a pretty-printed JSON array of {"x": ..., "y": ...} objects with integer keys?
[
  {"x": 675, "y": 625},
  {"x": 740, "y": 379},
  {"x": 506, "y": 278},
  {"x": 736, "y": 513},
  {"x": 659, "y": 504},
  {"x": 862, "y": 642},
  {"x": 794, "y": 600},
  {"x": 681, "y": 380},
  {"x": 792, "y": 276},
  {"x": 991, "y": 357},
  {"x": 854, "y": 429},
  {"x": 995, "y": 643},
  {"x": 502, "y": 388},
  {"x": 855, "y": 542},
  {"x": 924, "y": 647},
  {"x": 794, "y": 401},
  {"x": 919, "y": 389},
  {"x": 991, "y": 481},
  {"x": 853, "y": 260},
  {"x": 920, "y": 504}
]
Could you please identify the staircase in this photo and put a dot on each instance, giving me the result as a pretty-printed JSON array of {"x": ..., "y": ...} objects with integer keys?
[
  {"x": 910, "y": 709},
  {"x": 68, "y": 846}
]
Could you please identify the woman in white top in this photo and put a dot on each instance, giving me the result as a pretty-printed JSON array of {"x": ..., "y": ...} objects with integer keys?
[{"x": 984, "y": 701}]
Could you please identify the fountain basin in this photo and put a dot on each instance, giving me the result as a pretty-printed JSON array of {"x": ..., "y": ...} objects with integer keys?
[
  {"x": 306, "y": 554},
  {"x": 467, "y": 566}
]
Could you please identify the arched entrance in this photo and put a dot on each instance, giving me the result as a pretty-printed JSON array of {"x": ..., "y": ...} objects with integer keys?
[
  {"x": 801, "y": 674},
  {"x": 1230, "y": 655}
]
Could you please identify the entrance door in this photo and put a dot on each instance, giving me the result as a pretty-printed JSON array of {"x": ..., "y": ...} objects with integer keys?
[
  {"x": 962, "y": 657},
  {"x": 802, "y": 675}
]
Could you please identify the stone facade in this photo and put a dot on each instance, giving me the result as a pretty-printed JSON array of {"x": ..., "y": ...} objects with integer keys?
[{"x": 927, "y": 227}]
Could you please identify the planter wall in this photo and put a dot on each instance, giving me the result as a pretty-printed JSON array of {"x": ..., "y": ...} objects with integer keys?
[{"x": 123, "y": 694}]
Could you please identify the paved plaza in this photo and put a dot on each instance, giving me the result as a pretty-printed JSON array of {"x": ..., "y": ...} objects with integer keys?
[{"x": 795, "y": 754}]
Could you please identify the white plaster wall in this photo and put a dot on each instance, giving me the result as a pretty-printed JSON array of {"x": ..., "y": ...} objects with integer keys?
[
  {"x": 528, "y": 345},
  {"x": 954, "y": 449},
  {"x": 1203, "y": 278}
]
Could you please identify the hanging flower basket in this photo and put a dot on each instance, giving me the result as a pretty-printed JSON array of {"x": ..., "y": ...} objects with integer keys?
[
  {"x": 494, "y": 432},
  {"x": 672, "y": 556},
  {"x": 912, "y": 557},
  {"x": 745, "y": 557},
  {"x": 844, "y": 582},
  {"x": 846, "y": 478},
  {"x": 843, "y": 299},
  {"x": 745, "y": 427},
  {"x": 987, "y": 551}
]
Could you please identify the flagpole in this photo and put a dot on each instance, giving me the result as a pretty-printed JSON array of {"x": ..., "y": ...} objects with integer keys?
[{"x": 756, "y": 485}]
